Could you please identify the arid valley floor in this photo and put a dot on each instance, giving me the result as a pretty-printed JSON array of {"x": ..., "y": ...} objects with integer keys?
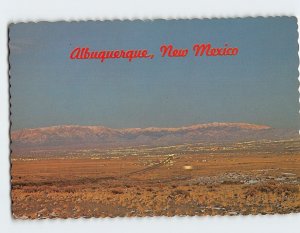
[{"x": 260, "y": 177}]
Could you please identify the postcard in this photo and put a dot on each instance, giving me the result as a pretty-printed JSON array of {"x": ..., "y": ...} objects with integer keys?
[{"x": 188, "y": 117}]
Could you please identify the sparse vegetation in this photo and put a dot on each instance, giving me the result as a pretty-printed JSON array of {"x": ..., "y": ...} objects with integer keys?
[
  {"x": 147, "y": 184},
  {"x": 272, "y": 188}
]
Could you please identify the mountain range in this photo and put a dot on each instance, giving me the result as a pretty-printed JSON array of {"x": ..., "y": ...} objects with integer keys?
[{"x": 76, "y": 136}]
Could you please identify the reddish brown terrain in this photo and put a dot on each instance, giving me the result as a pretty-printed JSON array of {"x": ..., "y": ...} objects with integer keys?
[{"x": 225, "y": 177}]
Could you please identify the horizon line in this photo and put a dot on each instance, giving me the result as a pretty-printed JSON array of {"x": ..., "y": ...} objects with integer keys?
[{"x": 147, "y": 127}]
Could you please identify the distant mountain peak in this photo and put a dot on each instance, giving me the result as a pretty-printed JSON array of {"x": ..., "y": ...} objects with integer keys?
[{"x": 69, "y": 136}]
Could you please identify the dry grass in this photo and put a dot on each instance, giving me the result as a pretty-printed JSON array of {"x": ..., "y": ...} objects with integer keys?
[
  {"x": 98, "y": 188},
  {"x": 272, "y": 188}
]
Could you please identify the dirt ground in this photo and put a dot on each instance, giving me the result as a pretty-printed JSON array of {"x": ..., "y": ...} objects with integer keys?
[{"x": 218, "y": 181}]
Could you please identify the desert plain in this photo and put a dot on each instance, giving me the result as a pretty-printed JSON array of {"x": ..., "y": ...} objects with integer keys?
[{"x": 241, "y": 178}]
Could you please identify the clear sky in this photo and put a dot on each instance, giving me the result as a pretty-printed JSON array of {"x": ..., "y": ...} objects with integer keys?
[{"x": 258, "y": 86}]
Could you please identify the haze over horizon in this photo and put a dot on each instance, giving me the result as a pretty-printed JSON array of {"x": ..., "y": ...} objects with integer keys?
[
  {"x": 146, "y": 127},
  {"x": 259, "y": 86}
]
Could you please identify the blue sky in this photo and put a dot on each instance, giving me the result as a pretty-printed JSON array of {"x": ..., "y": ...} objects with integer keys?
[{"x": 257, "y": 86}]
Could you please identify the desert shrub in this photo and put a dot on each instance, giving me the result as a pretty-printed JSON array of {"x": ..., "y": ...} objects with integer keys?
[
  {"x": 149, "y": 189},
  {"x": 180, "y": 192},
  {"x": 287, "y": 189},
  {"x": 117, "y": 191},
  {"x": 212, "y": 188},
  {"x": 272, "y": 188},
  {"x": 32, "y": 189},
  {"x": 231, "y": 182},
  {"x": 69, "y": 190},
  {"x": 54, "y": 189}
]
